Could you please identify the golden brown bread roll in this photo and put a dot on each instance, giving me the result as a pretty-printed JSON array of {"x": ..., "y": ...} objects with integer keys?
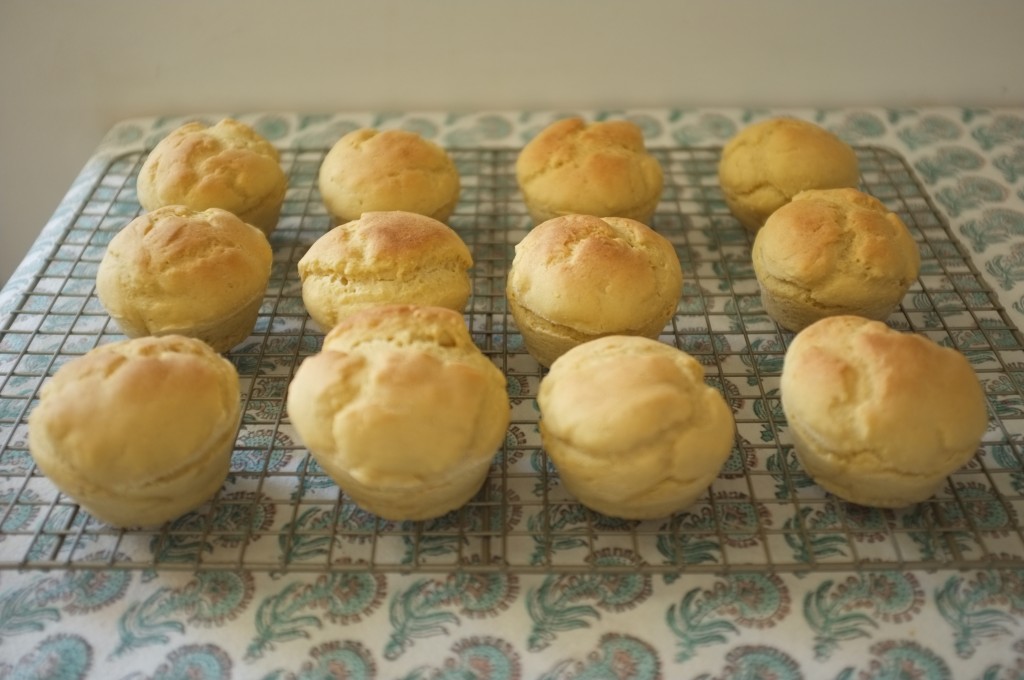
[
  {"x": 592, "y": 169},
  {"x": 770, "y": 162},
  {"x": 175, "y": 271},
  {"x": 632, "y": 428},
  {"x": 879, "y": 417},
  {"x": 139, "y": 431},
  {"x": 401, "y": 410},
  {"x": 384, "y": 258},
  {"x": 372, "y": 171},
  {"x": 228, "y": 166},
  {"x": 578, "y": 277},
  {"x": 830, "y": 252}
]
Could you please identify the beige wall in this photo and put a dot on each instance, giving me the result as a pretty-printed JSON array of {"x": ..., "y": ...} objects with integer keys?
[{"x": 69, "y": 70}]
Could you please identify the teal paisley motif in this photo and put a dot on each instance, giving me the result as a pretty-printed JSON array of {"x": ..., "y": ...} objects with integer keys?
[
  {"x": 787, "y": 472},
  {"x": 446, "y": 535},
  {"x": 482, "y": 129},
  {"x": 209, "y": 599},
  {"x": 995, "y": 225},
  {"x": 327, "y": 136},
  {"x": 703, "y": 346},
  {"x": 970, "y": 192},
  {"x": 831, "y": 609},
  {"x": 738, "y": 462},
  {"x": 1008, "y": 269},
  {"x": 24, "y": 506},
  {"x": 818, "y": 544},
  {"x": 342, "y": 598},
  {"x": 985, "y": 607},
  {"x": 555, "y": 606},
  {"x": 860, "y": 125},
  {"x": 757, "y": 662},
  {"x": 123, "y": 134},
  {"x": 649, "y": 125},
  {"x": 929, "y": 130},
  {"x": 1003, "y": 453},
  {"x": 765, "y": 357},
  {"x": 476, "y": 658},
  {"x": 336, "y": 659},
  {"x": 195, "y": 662},
  {"x": 1002, "y": 130},
  {"x": 741, "y": 601},
  {"x": 58, "y": 657},
  {"x": 562, "y": 523},
  {"x": 732, "y": 268},
  {"x": 424, "y": 609},
  {"x": 250, "y": 454},
  {"x": 745, "y": 310},
  {"x": 518, "y": 388},
  {"x": 30, "y": 608},
  {"x": 1011, "y": 164},
  {"x": 617, "y": 657},
  {"x": 237, "y": 517},
  {"x": 894, "y": 660},
  {"x": 88, "y": 591},
  {"x": 948, "y": 161},
  {"x": 421, "y": 126},
  {"x": 272, "y": 127},
  {"x": 710, "y": 128}
]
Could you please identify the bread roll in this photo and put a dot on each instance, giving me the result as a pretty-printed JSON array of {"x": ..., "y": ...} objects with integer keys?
[
  {"x": 402, "y": 410},
  {"x": 175, "y": 271},
  {"x": 592, "y": 169},
  {"x": 632, "y": 428},
  {"x": 878, "y": 417},
  {"x": 140, "y": 431},
  {"x": 367, "y": 171},
  {"x": 384, "y": 258},
  {"x": 770, "y": 162},
  {"x": 578, "y": 277},
  {"x": 228, "y": 166},
  {"x": 830, "y": 252}
]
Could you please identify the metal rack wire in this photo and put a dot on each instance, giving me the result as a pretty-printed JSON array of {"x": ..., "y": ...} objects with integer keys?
[{"x": 279, "y": 512}]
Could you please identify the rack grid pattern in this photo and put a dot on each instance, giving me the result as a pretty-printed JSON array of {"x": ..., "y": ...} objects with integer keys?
[{"x": 278, "y": 512}]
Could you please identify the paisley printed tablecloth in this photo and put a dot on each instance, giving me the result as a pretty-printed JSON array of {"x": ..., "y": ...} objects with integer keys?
[{"x": 135, "y": 624}]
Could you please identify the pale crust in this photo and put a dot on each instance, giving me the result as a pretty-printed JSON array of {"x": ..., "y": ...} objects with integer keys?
[
  {"x": 880, "y": 417},
  {"x": 177, "y": 271},
  {"x": 768, "y": 163},
  {"x": 375, "y": 171},
  {"x": 831, "y": 252},
  {"x": 632, "y": 428},
  {"x": 402, "y": 410},
  {"x": 139, "y": 431},
  {"x": 578, "y": 277},
  {"x": 384, "y": 258},
  {"x": 598, "y": 169},
  {"x": 228, "y": 166}
]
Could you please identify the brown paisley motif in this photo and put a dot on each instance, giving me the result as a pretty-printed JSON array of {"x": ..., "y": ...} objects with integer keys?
[{"x": 484, "y": 595}]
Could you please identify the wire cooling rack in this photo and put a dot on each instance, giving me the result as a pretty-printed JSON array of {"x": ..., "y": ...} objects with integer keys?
[{"x": 279, "y": 512}]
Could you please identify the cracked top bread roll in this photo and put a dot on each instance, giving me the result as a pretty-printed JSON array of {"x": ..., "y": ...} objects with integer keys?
[
  {"x": 768, "y": 163},
  {"x": 830, "y": 252},
  {"x": 228, "y": 166},
  {"x": 384, "y": 258},
  {"x": 577, "y": 277},
  {"x": 402, "y": 410},
  {"x": 140, "y": 431},
  {"x": 369, "y": 170},
  {"x": 879, "y": 417},
  {"x": 632, "y": 428},
  {"x": 175, "y": 271},
  {"x": 598, "y": 169}
]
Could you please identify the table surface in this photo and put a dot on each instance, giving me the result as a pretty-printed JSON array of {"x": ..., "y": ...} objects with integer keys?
[{"x": 400, "y": 623}]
